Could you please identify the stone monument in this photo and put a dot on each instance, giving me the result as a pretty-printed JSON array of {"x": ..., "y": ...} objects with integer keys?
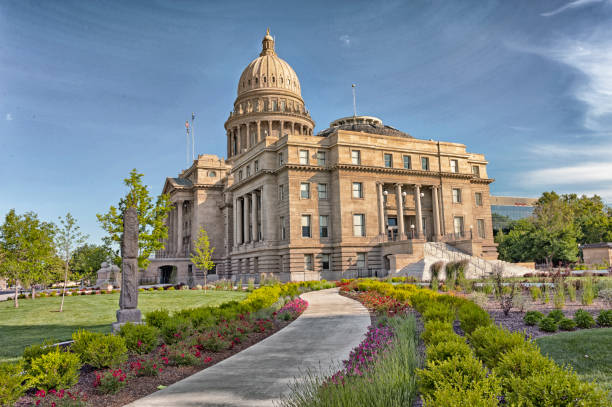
[
  {"x": 128, "y": 299},
  {"x": 109, "y": 276}
]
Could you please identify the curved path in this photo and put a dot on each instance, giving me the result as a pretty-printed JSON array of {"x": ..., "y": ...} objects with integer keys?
[{"x": 320, "y": 338}]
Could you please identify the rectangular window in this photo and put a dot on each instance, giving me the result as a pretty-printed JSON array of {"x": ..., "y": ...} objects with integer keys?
[
  {"x": 356, "y": 157},
  {"x": 454, "y": 165},
  {"x": 357, "y": 190},
  {"x": 458, "y": 225},
  {"x": 478, "y": 198},
  {"x": 240, "y": 175},
  {"x": 256, "y": 165},
  {"x": 324, "y": 226},
  {"x": 248, "y": 171},
  {"x": 476, "y": 170},
  {"x": 481, "y": 228},
  {"x": 305, "y": 190},
  {"x": 322, "y": 191},
  {"x": 359, "y": 225},
  {"x": 456, "y": 195},
  {"x": 308, "y": 262},
  {"x": 407, "y": 162},
  {"x": 304, "y": 157},
  {"x": 283, "y": 228},
  {"x": 425, "y": 163},
  {"x": 361, "y": 261},
  {"x": 281, "y": 192},
  {"x": 306, "y": 226},
  {"x": 321, "y": 158},
  {"x": 388, "y": 160},
  {"x": 325, "y": 263},
  {"x": 281, "y": 159}
]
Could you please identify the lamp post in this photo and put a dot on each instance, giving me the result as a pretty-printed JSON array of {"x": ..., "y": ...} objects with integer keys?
[
  {"x": 412, "y": 231},
  {"x": 471, "y": 236}
]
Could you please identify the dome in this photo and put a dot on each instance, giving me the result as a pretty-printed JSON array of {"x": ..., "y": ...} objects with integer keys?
[
  {"x": 268, "y": 71},
  {"x": 362, "y": 124}
]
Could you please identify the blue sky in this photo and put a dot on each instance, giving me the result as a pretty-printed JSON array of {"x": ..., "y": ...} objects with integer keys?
[{"x": 92, "y": 89}]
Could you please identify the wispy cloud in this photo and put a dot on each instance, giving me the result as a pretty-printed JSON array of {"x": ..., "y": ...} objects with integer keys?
[
  {"x": 569, "y": 6},
  {"x": 346, "y": 40},
  {"x": 521, "y": 128},
  {"x": 8, "y": 117}
]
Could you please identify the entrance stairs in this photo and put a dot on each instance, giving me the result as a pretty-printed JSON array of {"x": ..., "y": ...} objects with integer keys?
[{"x": 477, "y": 267}]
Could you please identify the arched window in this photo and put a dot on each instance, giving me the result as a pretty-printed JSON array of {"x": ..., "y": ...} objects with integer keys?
[
  {"x": 273, "y": 79},
  {"x": 265, "y": 80},
  {"x": 249, "y": 82},
  {"x": 256, "y": 81},
  {"x": 212, "y": 174}
]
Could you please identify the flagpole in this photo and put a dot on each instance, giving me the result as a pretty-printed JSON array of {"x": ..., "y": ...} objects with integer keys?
[
  {"x": 187, "y": 145},
  {"x": 192, "y": 137}
]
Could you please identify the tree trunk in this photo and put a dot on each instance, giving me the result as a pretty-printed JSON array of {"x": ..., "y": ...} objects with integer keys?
[
  {"x": 205, "y": 277},
  {"x": 64, "y": 290},
  {"x": 16, "y": 295},
  {"x": 33, "y": 292}
]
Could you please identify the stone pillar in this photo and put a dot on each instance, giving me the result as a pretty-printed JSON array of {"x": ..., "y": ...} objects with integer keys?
[
  {"x": 235, "y": 220},
  {"x": 400, "y": 211},
  {"x": 239, "y": 237},
  {"x": 128, "y": 299},
  {"x": 436, "y": 212},
  {"x": 419, "y": 215},
  {"x": 381, "y": 209},
  {"x": 248, "y": 135},
  {"x": 258, "y": 131},
  {"x": 255, "y": 233},
  {"x": 229, "y": 143},
  {"x": 237, "y": 138},
  {"x": 269, "y": 127},
  {"x": 179, "y": 229},
  {"x": 292, "y": 128},
  {"x": 245, "y": 218}
]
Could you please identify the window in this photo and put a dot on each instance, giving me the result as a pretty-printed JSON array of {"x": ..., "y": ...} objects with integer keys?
[
  {"x": 476, "y": 170},
  {"x": 454, "y": 165},
  {"x": 456, "y": 195},
  {"x": 240, "y": 175},
  {"x": 357, "y": 190},
  {"x": 281, "y": 192},
  {"x": 308, "y": 263},
  {"x": 361, "y": 260},
  {"x": 356, "y": 157},
  {"x": 306, "y": 226},
  {"x": 407, "y": 162},
  {"x": 321, "y": 160},
  {"x": 304, "y": 157},
  {"x": 359, "y": 225},
  {"x": 481, "y": 228},
  {"x": 212, "y": 174},
  {"x": 324, "y": 226},
  {"x": 458, "y": 225},
  {"x": 248, "y": 171},
  {"x": 281, "y": 159},
  {"x": 325, "y": 262},
  {"x": 283, "y": 228},
  {"x": 256, "y": 165},
  {"x": 322, "y": 191},
  {"x": 478, "y": 198},
  {"x": 388, "y": 160},
  {"x": 425, "y": 163},
  {"x": 305, "y": 190}
]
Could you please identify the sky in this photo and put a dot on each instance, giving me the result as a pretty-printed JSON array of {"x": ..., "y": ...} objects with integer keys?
[{"x": 91, "y": 89}]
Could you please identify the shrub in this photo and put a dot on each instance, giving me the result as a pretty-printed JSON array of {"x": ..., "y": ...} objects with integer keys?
[
  {"x": 157, "y": 318},
  {"x": 606, "y": 295},
  {"x": 175, "y": 329},
  {"x": 99, "y": 350},
  {"x": 171, "y": 288},
  {"x": 571, "y": 291},
  {"x": 489, "y": 342},
  {"x": 435, "y": 269},
  {"x": 446, "y": 350},
  {"x": 145, "y": 367},
  {"x": 61, "y": 398},
  {"x": 439, "y": 312},
  {"x": 481, "y": 394},
  {"x": 479, "y": 298},
  {"x": 12, "y": 378},
  {"x": 457, "y": 372},
  {"x": 605, "y": 318},
  {"x": 584, "y": 319},
  {"x": 160, "y": 288},
  {"x": 559, "y": 298},
  {"x": 182, "y": 355},
  {"x": 55, "y": 370},
  {"x": 587, "y": 291},
  {"x": 548, "y": 324},
  {"x": 472, "y": 316},
  {"x": 535, "y": 292},
  {"x": 432, "y": 328},
  {"x": 212, "y": 341},
  {"x": 567, "y": 324},
  {"x": 546, "y": 298},
  {"x": 557, "y": 315},
  {"x": 532, "y": 318},
  {"x": 110, "y": 381},
  {"x": 139, "y": 338},
  {"x": 521, "y": 362},
  {"x": 34, "y": 351}
]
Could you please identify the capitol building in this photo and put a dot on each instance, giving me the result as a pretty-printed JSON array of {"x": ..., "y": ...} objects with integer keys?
[{"x": 359, "y": 198}]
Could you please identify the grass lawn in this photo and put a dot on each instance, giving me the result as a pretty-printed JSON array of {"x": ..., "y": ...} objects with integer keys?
[
  {"x": 36, "y": 320},
  {"x": 573, "y": 348}
]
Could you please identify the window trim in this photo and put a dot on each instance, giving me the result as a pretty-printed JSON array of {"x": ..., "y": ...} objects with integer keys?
[
  {"x": 307, "y": 158},
  {"x": 307, "y": 190},
  {"x": 478, "y": 230},
  {"x": 319, "y": 184},
  {"x": 425, "y": 160},
  {"x": 302, "y": 217},
  {"x": 326, "y": 227},
  {"x": 310, "y": 263},
  {"x": 456, "y": 162},
  {"x": 409, "y": 157},
  {"x": 459, "y": 197},
  {"x": 390, "y": 155},
  {"x": 324, "y": 153},
  {"x": 358, "y": 156},
  {"x": 365, "y": 260},
  {"x": 476, "y": 195},
  {"x": 361, "y": 194},
  {"x": 328, "y": 262},
  {"x": 363, "y": 225}
]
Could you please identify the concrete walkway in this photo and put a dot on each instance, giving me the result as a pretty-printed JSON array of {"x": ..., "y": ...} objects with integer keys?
[{"x": 323, "y": 335}]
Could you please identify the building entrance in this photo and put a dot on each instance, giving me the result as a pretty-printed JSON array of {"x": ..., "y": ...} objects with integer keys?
[{"x": 165, "y": 274}]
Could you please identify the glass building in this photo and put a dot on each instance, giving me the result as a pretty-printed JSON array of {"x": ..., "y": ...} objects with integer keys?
[{"x": 505, "y": 209}]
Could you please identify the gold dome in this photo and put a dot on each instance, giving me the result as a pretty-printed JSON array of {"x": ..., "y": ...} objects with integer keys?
[{"x": 268, "y": 71}]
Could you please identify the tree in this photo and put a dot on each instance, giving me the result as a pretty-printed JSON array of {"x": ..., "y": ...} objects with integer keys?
[
  {"x": 68, "y": 238},
  {"x": 556, "y": 234},
  {"x": 88, "y": 258},
  {"x": 28, "y": 250},
  {"x": 202, "y": 256},
  {"x": 592, "y": 218},
  {"x": 151, "y": 218}
]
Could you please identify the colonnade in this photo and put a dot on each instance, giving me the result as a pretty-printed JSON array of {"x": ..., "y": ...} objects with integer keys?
[
  {"x": 255, "y": 131},
  {"x": 175, "y": 221},
  {"x": 248, "y": 217}
]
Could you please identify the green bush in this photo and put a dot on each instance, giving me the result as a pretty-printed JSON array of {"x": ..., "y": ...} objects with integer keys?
[
  {"x": 139, "y": 338},
  {"x": 532, "y": 318},
  {"x": 446, "y": 350},
  {"x": 556, "y": 314},
  {"x": 55, "y": 370},
  {"x": 110, "y": 381},
  {"x": 457, "y": 372},
  {"x": 212, "y": 342},
  {"x": 481, "y": 394},
  {"x": 521, "y": 362},
  {"x": 157, "y": 318},
  {"x": 567, "y": 324},
  {"x": 584, "y": 319},
  {"x": 175, "y": 329},
  {"x": 588, "y": 294},
  {"x": 472, "y": 316},
  {"x": 34, "y": 351},
  {"x": 548, "y": 324},
  {"x": 435, "y": 328},
  {"x": 180, "y": 354},
  {"x": 99, "y": 350},
  {"x": 439, "y": 312},
  {"x": 535, "y": 292},
  {"x": 489, "y": 342},
  {"x": 605, "y": 318},
  {"x": 12, "y": 385}
]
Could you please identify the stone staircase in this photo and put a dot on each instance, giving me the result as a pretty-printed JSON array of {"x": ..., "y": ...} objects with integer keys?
[{"x": 477, "y": 267}]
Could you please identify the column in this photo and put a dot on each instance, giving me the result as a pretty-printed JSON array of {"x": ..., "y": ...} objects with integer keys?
[
  {"x": 258, "y": 131},
  {"x": 239, "y": 238},
  {"x": 254, "y": 215},
  {"x": 245, "y": 218},
  {"x": 419, "y": 215},
  {"x": 269, "y": 127},
  {"x": 229, "y": 143},
  {"x": 237, "y": 137},
  {"x": 248, "y": 135},
  {"x": 436, "y": 211},
  {"x": 235, "y": 221},
  {"x": 179, "y": 229},
  {"x": 400, "y": 211},
  {"x": 381, "y": 209},
  {"x": 292, "y": 128}
]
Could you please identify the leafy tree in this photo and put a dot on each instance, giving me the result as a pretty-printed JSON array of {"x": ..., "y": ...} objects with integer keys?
[
  {"x": 592, "y": 218},
  {"x": 68, "y": 238},
  {"x": 88, "y": 258},
  {"x": 151, "y": 218},
  {"x": 556, "y": 234},
  {"x": 517, "y": 244},
  {"x": 202, "y": 256},
  {"x": 28, "y": 250},
  {"x": 501, "y": 223}
]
